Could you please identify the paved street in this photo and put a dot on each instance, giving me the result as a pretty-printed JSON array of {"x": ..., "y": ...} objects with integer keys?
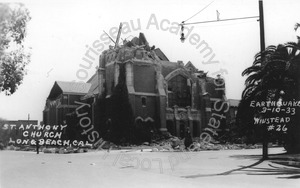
[{"x": 228, "y": 168}]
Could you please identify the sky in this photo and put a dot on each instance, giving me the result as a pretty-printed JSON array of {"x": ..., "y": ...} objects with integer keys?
[{"x": 61, "y": 34}]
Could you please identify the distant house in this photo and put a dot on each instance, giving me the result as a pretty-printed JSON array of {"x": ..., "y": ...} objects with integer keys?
[
  {"x": 231, "y": 114},
  {"x": 61, "y": 101}
]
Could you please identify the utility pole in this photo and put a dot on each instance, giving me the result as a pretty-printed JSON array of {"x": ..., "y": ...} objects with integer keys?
[
  {"x": 261, "y": 25},
  {"x": 262, "y": 49}
]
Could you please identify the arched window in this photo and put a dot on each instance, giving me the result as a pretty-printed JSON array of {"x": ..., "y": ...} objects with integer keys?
[{"x": 179, "y": 91}]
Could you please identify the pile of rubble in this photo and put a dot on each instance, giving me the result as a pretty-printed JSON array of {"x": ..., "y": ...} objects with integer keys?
[
  {"x": 167, "y": 143},
  {"x": 177, "y": 144}
]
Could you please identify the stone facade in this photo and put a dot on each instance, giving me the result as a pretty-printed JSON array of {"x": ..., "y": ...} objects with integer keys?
[{"x": 168, "y": 96}]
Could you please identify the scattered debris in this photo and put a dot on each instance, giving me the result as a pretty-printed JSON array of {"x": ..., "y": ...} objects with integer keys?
[
  {"x": 159, "y": 143},
  {"x": 176, "y": 144}
]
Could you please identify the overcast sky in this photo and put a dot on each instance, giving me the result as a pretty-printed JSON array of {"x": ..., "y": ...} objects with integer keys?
[{"x": 61, "y": 32}]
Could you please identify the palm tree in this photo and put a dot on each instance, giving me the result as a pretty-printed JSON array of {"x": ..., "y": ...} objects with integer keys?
[{"x": 274, "y": 72}]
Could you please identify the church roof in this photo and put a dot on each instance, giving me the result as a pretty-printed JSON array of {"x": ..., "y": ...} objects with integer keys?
[
  {"x": 94, "y": 86},
  {"x": 160, "y": 54},
  {"x": 76, "y": 88}
]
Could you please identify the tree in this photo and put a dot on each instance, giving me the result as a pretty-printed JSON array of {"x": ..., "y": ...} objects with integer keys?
[
  {"x": 13, "y": 58},
  {"x": 273, "y": 75}
]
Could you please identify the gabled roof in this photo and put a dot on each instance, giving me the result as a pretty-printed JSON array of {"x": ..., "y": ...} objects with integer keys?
[
  {"x": 191, "y": 67},
  {"x": 161, "y": 55},
  {"x": 76, "y": 88},
  {"x": 94, "y": 86}
]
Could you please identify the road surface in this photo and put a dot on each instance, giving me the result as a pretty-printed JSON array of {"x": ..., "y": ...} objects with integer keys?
[{"x": 136, "y": 168}]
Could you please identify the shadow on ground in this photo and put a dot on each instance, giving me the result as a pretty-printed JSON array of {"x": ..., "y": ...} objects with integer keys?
[{"x": 283, "y": 165}]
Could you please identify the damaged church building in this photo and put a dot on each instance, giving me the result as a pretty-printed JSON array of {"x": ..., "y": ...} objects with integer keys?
[{"x": 164, "y": 96}]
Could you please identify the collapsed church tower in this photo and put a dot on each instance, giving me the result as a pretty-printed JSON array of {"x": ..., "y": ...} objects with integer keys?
[{"x": 164, "y": 95}]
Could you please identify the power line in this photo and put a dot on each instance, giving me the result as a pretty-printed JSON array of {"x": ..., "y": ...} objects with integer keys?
[
  {"x": 242, "y": 18},
  {"x": 228, "y": 24},
  {"x": 198, "y": 12}
]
